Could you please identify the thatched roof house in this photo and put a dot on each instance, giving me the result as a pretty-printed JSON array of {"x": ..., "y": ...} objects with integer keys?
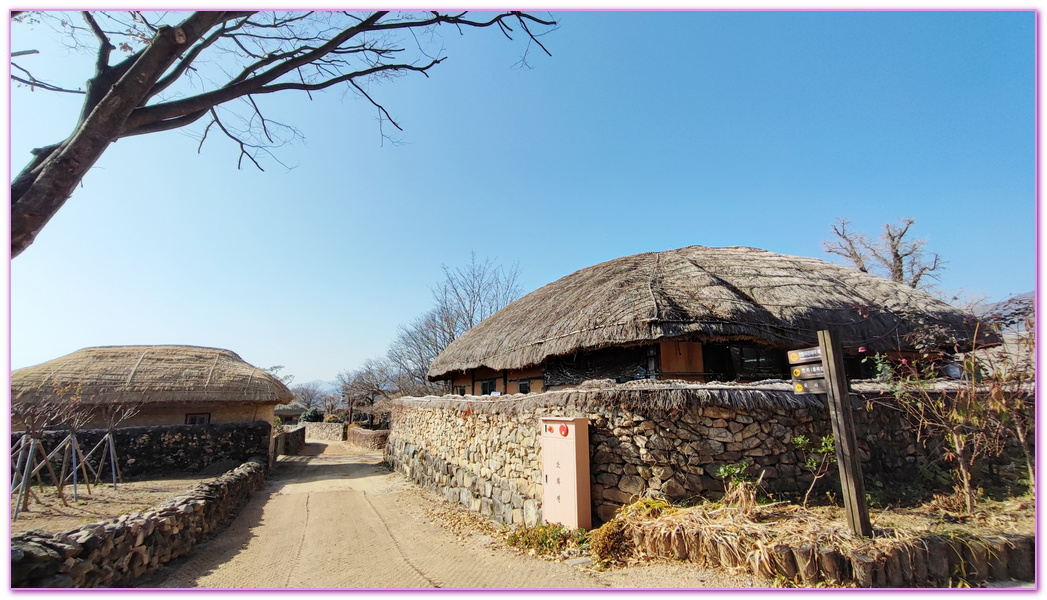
[
  {"x": 289, "y": 413},
  {"x": 695, "y": 313},
  {"x": 171, "y": 385}
]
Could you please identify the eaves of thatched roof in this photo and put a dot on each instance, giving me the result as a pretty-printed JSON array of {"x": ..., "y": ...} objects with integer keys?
[
  {"x": 289, "y": 410},
  {"x": 699, "y": 293},
  {"x": 153, "y": 375}
]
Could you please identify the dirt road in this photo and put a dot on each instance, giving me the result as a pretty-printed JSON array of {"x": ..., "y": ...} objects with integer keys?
[{"x": 337, "y": 518}]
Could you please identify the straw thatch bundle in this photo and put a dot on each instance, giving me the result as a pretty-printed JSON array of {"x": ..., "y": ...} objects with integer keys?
[
  {"x": 293, "y": 409},
  {"x": 772, "y": 395},
  {"x": 702, "y": 294},
  {"x": 149, "y": 375}
]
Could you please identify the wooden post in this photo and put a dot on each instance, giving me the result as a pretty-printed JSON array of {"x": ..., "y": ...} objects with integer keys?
[{"x": 843, "y": 430}]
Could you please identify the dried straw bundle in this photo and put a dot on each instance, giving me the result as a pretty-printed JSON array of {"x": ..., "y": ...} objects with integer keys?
[{"x": 650, "y": 395}]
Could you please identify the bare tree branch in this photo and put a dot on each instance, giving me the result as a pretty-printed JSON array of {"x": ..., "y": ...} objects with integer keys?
[
  {"x": 900, "y": 260},
  {"x": 36, "y": 83},
  {"x": 208, "y": 60}
]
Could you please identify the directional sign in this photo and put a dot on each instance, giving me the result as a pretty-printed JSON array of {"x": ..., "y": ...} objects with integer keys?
[
  {"x": 809, "y": 386},
  {"x": 805, "y": 355},
  {"x": 811, "y": 371}
]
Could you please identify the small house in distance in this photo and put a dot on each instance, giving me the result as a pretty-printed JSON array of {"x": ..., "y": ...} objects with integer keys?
[
  {"x": 170, "y": 385},
  {"x": 289, "y": 414},
  {"x": 695, "y": 314}
]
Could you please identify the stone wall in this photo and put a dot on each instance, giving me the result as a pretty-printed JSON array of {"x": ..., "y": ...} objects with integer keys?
[
  {"x": 373, "y": 439},
  {"x": 170, "y": 448},
  {"x": 115, "y": 552},
  {"x": 486, "y": 455},
  {"x": 288, "y": 441},
  {"x": 325, "y": 431},
  {"x": 295, "y": 441}
]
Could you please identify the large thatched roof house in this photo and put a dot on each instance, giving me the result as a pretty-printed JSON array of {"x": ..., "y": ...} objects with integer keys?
[
  {"x": 695, "y": 313},
  {"x": 171, "y": 385}
]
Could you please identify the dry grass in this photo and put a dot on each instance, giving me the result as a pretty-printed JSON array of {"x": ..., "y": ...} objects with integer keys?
[
  {"x": 48, "y": 513},
  {"x": 738, "y": 532}
]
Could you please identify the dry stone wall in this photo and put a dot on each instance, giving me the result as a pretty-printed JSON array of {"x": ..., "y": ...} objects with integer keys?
[
  {"x": 115, "y": 552},
  {"x": 171, "y": 448},
  {"x": 486, "y": 454},
  {"x": 289, "y": 441},
  {"x": 372, "y": 439},
  {"x": 325, "y": 431}
]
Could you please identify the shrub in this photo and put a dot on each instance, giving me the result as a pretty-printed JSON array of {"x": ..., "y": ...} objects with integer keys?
[{"x": 312, "y": 415}]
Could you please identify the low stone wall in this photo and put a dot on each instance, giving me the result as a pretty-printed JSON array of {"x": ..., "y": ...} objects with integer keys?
[
  {"x": 486, "y": 453},
  {"x": 325, "y": 431},
  {"x": 289, "y": 442},
  {"x": 169, "y": 448},
  {"x": 373, "y": 439},
  {"x": 113, "y": 553},
  {"x": 294, "y": 440}
]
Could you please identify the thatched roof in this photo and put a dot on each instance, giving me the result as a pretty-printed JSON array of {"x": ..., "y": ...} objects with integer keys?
[
  {"x": 293, "y": 409},
  {"x": 149, "y": 375},
  {"x": 698, "y": 293}
]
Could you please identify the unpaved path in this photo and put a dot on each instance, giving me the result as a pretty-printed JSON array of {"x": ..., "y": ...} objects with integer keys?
[{"x": 337, "y": 518}]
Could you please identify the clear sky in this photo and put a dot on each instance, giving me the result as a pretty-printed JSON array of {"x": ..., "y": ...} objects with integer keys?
[{"x": 645, "y": 131}]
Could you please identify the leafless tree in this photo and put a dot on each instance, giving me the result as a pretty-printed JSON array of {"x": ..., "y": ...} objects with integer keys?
[
  {"x": 471, "y": 293},
  {"x": 364, "y": 386},
  {"x": 891, "y": 255},
  {"x": 467, "y": 295},
  {"x": 308, "y": 394},
  {"x": 331, "y": 403},
  {"x": 161, "y": 71}
]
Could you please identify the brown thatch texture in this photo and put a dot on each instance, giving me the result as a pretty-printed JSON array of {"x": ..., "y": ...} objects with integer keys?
[
  {"x": 648, "y": 394},
  {"x": 149, "y": 375},
  {"x": 289, "y": 410},
  {"x": 698, "y": 293}
]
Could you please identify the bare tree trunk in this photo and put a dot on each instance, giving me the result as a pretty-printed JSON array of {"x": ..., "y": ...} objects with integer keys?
[
  {"x": 965, "y": 470},
  {"x": 50, "y": 178}
]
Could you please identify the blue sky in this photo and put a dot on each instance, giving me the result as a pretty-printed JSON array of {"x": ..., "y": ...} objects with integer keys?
[{"x": 644, "y": 131}]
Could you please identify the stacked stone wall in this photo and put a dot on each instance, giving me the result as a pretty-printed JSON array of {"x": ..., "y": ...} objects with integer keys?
[
  {"x": 325, "y": 431},
  {"x": 289, "y": 441},
  {"x": 169, "y": 448},
  {"x": 115, "y": 552},
  {"x": 372, "y": 439},
  {"x": 489, "y": 459}
]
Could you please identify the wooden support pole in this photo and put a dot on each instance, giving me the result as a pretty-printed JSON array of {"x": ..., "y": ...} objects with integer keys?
[{"x": 843, "y": 430}]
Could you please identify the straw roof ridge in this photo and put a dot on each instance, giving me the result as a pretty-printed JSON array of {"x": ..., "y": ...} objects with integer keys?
[
  {"x": 702, "y": 293},
  {"x": 163, "y": 374}
]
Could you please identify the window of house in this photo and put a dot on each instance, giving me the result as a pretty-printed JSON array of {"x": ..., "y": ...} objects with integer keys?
[
  {"x": 525, "y": 386},
  {"x": 459, "y": 390},
  {"x": 758, "y": 363},
  {"x": 198, "y": 419},
  {"x": 487, "y": 386}
]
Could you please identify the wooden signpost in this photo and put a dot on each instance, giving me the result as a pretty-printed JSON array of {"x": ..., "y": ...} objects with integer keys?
[{"x": 820, "y": 371}]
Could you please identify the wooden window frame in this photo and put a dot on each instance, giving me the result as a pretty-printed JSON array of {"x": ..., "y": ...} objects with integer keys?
[{"x": 193, "y": 418}]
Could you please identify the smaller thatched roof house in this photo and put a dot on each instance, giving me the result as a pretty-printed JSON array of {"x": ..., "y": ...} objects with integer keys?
[
  {"x": 289, "y": 413},
  {"x": 170, "y": 385},
  {"x": 695, "y": 313}
]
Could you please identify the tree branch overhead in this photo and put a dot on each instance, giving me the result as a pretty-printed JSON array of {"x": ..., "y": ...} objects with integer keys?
[{"x": 226, "y": 56}]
